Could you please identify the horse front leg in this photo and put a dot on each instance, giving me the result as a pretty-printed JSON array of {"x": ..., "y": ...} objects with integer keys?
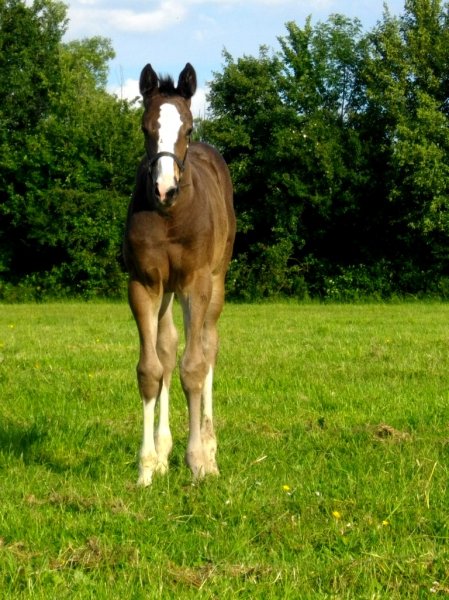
[
  {"x": 194, "y": 370},
  {"x": 145, "y": 304},
  {"x": 210, "y": 348},
  {"x": 208, "y": 439},
  {"x": 167, "y": 344}
]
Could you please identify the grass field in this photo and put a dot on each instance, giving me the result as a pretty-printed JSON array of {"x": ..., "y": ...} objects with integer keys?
[{"x": 333, "y": 427}]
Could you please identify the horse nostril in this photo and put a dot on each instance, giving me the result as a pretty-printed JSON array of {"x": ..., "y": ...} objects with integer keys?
[
  {"x": 166, "y": 196},
  {"x": 171, "y": 193}
]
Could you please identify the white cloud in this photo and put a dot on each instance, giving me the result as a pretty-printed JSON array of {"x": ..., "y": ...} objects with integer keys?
[
  {"x": 87, "y": 19},
  {"x": 199, "y": 103},
  {"x": 168, "y": 13},
  {"x": 93, "y": 15},
  {"x": 129, "y": 90},
  {"x": 231, "y": 2},
  {"x": 313, "y": 4}
]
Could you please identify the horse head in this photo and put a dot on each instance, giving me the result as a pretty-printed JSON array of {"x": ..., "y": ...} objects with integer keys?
[{"x": 167, "y": 123}]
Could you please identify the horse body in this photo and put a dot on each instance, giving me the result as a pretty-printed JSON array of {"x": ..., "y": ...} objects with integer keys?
[{"x": 179, "y": 237}]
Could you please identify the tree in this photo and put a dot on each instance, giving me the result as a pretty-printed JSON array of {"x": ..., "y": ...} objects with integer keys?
[
  {"x": 339, "y": 148},
  {"x": 321, "y": 85},
  {"x": 68, "y": 169},
  {"x": 284, "y": 123},
  {"x": 407, "y": 81},
  {"x": 29, "y": 55}
]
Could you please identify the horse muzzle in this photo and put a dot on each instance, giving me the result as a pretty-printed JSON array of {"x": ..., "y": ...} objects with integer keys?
[
  {"x": 165, "y": 185},
  {"x": 166, "y": 195}
]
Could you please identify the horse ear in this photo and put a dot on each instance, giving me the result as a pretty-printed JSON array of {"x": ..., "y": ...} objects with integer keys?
[
  {"x": 148, "y": 83},
  {"x": 187, "y": 82}
]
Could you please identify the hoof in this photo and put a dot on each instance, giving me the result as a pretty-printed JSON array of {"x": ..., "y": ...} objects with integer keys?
[
  {"x": 212, "y": 469},
  {"x": 161, "y": 468},
  {"x": 200, "y": 465},
  {"x": 148, "y": 465},
  {"x": 164, "y": 446},
  {"x": 144, "y": 480},
  {"x": 209, "y": 451},
  {"x": 195, "y": 462}
]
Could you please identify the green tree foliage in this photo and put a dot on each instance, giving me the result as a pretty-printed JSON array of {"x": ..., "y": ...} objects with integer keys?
[
  {"x": 67, "y": 163},
  {"x": 284, "y": 122},
  {"x": 29, "y": 49},
  {"x": 248, "y": 112},
  {"x": 407, "y": 76},
  {"x": 338, "y": 145}
]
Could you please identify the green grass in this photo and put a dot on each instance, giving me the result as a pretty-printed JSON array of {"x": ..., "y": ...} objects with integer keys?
[{"x": 333, "y": 428}]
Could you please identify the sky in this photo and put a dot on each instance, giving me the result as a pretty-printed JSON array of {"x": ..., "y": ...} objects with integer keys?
[{"x": 169, "y": 33}]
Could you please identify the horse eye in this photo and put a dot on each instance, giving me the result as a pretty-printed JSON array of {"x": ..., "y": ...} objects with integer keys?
[{"x": 189, "y": 132}]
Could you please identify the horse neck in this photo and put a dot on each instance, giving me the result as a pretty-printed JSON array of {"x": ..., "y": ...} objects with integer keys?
[{"x": 186, "y": 183}]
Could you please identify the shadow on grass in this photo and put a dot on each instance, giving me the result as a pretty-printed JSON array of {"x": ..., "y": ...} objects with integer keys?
[
  {"x": 19, "y": 439},
  {"x": 82, "y": 451}
]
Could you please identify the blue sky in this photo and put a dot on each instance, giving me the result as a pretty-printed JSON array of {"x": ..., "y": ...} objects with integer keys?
[{"x": 168, "y": 33}]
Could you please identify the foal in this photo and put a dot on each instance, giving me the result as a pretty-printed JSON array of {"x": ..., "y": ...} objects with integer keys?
[{"x": 179, "y": 236}]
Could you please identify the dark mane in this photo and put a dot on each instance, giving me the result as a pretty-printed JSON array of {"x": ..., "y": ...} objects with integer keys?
[{"x": 167, "y": 86}]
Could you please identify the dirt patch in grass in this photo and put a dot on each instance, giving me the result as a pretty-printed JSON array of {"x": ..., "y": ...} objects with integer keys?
[{"x": 387, "y": 433}]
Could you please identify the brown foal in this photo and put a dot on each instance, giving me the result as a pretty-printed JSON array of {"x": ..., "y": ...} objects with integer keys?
[{"x": 179, "y": 237}]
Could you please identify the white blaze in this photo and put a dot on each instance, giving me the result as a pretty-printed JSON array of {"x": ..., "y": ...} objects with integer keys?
[{"x": 169, "y": 126}]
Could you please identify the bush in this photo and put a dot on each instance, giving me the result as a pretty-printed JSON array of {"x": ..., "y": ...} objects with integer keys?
[
  {"x": 268, "y": 273},
  {"x": 78, "y": 241},
  {"x": 360, "y": 282}
]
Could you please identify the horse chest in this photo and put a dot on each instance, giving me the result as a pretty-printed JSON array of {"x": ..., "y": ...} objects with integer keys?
[{"x": 182, "y": 260}]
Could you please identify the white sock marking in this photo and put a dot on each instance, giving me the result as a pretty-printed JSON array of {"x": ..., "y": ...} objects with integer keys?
[
  {"x": 164, "y": 426},
  {"x": 163, "y": 436},
  {"x": 207, "y": 394},
  {"x": 148, "y": 428}
]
